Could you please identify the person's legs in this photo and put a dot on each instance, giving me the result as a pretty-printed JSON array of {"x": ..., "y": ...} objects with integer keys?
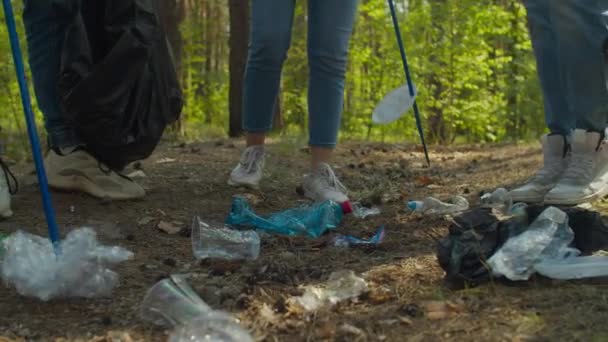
[
  {"x": 271, "y": 23},
  {"x": 330, "y": 26},
  {"x": 46, "y": 23},
  {"x": 560, "y": 120},
  {"x": 582, "y": 30},
  {"x": 68, "y": 165}
]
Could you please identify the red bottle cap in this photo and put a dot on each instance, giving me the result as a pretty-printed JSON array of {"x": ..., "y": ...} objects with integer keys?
[{"x": 347, "y": 207}]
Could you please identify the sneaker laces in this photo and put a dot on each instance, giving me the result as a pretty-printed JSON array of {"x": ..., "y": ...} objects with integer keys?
[
  {"x": 581, "y": 168},
  {"x": 329, "y": 179},
  {"x": 250, "y": 159},
  {"x": 13, "y": 187}
]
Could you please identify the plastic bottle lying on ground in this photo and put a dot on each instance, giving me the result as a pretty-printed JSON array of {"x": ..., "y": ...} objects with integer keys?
[
  {"x": 223, "y": 242},
  {"x": 431, "y": 205},
  {"x": 313, "y": 220},
  {"x": 500, "y": 199},
  {"x": 574, "y": 268}
]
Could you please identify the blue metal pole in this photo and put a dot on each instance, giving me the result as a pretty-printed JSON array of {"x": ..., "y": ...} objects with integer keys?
[
  {"x": 49, "y": 211},
  {"x": 408, "y": 76}
]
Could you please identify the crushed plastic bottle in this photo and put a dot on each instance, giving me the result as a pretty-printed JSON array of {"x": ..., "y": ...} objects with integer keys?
[
  {"x": 81, "y": 270},
  {"x": 574, "y": 268},
  {"x": 313, "y": 220},
  {"x": 500, "y": 200},
  {"x": 548, "y": 237},
  {"x": 345, "y": 241},
  {"x": 223, "y": 242},
  {"x": 173, "y": 303},
  {"x": 362, "y": 212},
  {"x": 433, "y": 206},
  {"x": 214, "y": 326},
  {"x": 342, "y": 285}
]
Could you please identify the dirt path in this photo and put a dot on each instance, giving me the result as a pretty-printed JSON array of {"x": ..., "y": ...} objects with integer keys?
[{"x": 403, "y": 273}]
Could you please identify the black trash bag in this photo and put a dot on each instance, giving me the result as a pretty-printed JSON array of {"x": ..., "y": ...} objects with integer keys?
[
  {"x": 118, "y": 85},
  {"x": 477, "y": 234}
]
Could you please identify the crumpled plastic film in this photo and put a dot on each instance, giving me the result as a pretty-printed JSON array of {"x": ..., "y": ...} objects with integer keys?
[{"x": 81, "y": 270}]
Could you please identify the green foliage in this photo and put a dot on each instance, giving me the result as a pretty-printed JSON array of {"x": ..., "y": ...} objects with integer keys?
[{"x": 471, "y": 60}]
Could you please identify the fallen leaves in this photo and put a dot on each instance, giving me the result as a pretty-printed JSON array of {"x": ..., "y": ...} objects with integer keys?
[
  {"x": 438, "y": 310},
  {"x": 171, "y": 228}
]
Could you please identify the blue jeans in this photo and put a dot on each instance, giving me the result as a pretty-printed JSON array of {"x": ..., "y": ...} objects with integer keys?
[
  {"x": 46, "y": 26},
  {"x": 330, "y": 25},
  {"x": 569, "y": 39}
]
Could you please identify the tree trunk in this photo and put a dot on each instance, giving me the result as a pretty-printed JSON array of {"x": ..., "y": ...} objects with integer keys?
[{"x": 239, "y": 39}]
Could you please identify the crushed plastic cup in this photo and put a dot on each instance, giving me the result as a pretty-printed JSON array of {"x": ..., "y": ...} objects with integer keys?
[
  {"x": 172, "y": 302},
  {"x": 547, "y": 238},
  {"x": 500, "y": 200},
  {"x": 574, "y": 268},
  {"x": 341, "y": 285},
  {"x": 433, "y": 206},
  {"x": 214, "y": 326},
  {"x": 223, "y": 242},
  {"x": 82, "y": 270},
  {"x": 362, "y": 212}
]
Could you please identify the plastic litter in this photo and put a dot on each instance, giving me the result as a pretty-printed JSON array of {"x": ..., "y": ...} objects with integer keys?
[
  {"x": 500, "y": 200},
  {"x": 345, "y": 241},
  {"x": 433, "y": 206},
  {"x": 362, "y": 212},
  {"x": 394, "y": 105},
  {"x": 548, "y": 237},
  {"x": 313, "y": 220},
  {"x": 173, "y": 303},
  {"x": 223, "y": 242},
  {"x": 342, "y": 285},
  {"x": 81, "y": 270},
  {"x": 574, "y": 268}
]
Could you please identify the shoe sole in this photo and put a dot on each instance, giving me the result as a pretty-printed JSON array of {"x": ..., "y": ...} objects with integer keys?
[
  {"x": 80, "y": 184},
  {"x": 587, "y": 199},
  {"x": 243, "y": 185}
]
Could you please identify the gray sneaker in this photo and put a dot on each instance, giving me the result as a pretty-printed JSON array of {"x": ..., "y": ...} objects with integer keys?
[
  {"x": 323, "y": 184},
  {"x": 556, "y": 161},
  {"x": 250, "y": 169},
  {"x": 79, "y": 171}
]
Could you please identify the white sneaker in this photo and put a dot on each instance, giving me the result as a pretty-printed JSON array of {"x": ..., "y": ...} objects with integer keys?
[
  {"x": 250, "y": 169},
  {"x": 555, "y": 163},
  {"x": 323, "y": 184},
  {"x": 8, "y": 187},
  {"x": 79, "y": 171},
  {"x": 586, "y": 178}
]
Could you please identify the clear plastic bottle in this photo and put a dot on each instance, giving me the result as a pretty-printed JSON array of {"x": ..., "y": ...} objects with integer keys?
[
  {"x": 431, "y": 205},
  {"x": 223, "y": 242},
  {"x": 499, "y": 199},
  {"x": 313, "y": 220},
  {"x": 574, "y": 268},
  {"x": 361, "y": 211}
]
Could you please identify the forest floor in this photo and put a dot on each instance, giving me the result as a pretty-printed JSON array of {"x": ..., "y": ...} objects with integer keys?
[{"x": 403, "y": 274}]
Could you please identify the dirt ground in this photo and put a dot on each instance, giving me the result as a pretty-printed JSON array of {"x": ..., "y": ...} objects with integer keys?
[{"x": 184, "y": 179}]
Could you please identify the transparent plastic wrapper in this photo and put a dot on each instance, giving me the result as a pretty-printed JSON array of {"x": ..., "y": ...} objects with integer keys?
[
  {"x": 574, "y": 268},
  {"x": 362, "y": 212},
  {"x": 223, "y": 242},
  {"x": 500, "y": 200},
  {"x": 173, "y": 303},
  {"x": 342, "y": 285},
  {"x": 81, "y": 270},
  {"x": 548, "y": 237},
  {"x": 213, "y": 326},
  {"x": 345, "y": 241},
  {"x": 313, "y": 220},
  {"x": 394, "y": 105},
  {"x": 433, "y": 206}
]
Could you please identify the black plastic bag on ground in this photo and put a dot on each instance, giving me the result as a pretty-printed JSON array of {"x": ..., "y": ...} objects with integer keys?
[
  {"x": 118, "y": 84},
  {"x": 477, "y": 234}
]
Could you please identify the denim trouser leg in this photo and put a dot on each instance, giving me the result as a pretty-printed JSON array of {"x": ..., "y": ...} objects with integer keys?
[
  {"x": 330, "y": 27},
  {"x": 568, "y": 38},
  {"x": 45, "y": 30}
]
